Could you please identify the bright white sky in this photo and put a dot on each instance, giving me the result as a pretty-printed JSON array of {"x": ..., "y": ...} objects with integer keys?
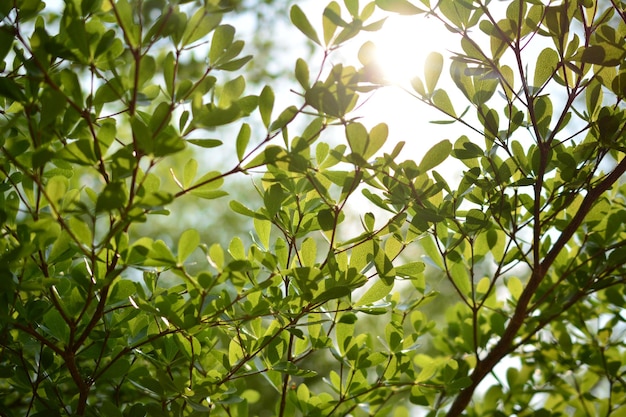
[{"x": 403, "y": 44}]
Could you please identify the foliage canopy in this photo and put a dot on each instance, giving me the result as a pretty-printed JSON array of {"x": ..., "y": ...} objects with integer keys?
[{"x": 319, "y": 315}]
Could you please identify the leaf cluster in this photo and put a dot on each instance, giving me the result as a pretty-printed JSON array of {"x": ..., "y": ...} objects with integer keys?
[{"x": 319, "y": 315}]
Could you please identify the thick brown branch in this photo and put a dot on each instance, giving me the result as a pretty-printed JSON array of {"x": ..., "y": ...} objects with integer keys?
[{"x": 504, "y": 345}]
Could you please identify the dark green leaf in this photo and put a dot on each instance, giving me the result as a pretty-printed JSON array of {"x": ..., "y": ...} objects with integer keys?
[
  {"x": 11, "y": 90},
  {"x": 112, "y": 197},
  {"x": 326, "y": 219}
]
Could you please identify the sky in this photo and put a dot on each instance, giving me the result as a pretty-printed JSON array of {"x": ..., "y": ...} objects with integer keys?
[{"x": 402, "y": 44}]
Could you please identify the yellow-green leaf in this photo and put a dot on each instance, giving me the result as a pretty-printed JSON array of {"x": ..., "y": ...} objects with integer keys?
[
  {"x": 299, "y": 19},
  {"x": 376, "y": 292},
  {"x": 187, "y": 243},
  {"x": 432, "y": 70}
]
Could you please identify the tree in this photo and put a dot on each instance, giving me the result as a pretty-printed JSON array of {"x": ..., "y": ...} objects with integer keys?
[{"x": 97, "y": 318}]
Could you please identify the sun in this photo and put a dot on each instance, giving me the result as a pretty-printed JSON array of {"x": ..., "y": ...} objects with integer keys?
[{"x": 402, "y": 45}]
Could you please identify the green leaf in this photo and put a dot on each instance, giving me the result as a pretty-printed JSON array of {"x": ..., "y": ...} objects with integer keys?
[
  {"x": 284, "y": 118},
  {"x": 403, "y": 7},
  {"x": 507, "y": 81},
  {"x": 515, "y": 287},
  {"x": 112, "y": 197},
  {"x": 231, "y": 91},
  {"x": 543, "y": 114},
  {"x": 545, "y": 66},
  {"x": 81, "y": 230},
  {"x": 54, "y": 325},
  {"x": 237, "y": 207},
  {"x": 377, "y": 291},
  {"x": 200, "y": 24},
  {"x": 410, "y": 270},
  {"x": 206, "y": 143},
  {"x": 236, "y": 249},
  {"x": 235, "y": 64},
  {"x": 235, "y": 352},
  {"x": 352, "y": 6},
  {"x": 242, "y": 140},
  {"x": 604, "y": 54},
  {"x": 187, "y": 243},
  {"x": 302, "y": 73},
  {"x": 7, "y": 37},
  {"x": 299, "y": 19},
  {"x": 216, "y": 256},
  {"x": 435, "y": 155},
  {"x": 306, "y": 278},
  {"x": 329, "y": 22},
  {"x": 308, "y": 252},
  {"x": 266, "y": 104},
  {"x": 56, "y": 188},
  {"x": 418, "y": 86},
  {"x": 208, "y": 186},
  {"x": 475, "y": 219},
  {"x": 263, "y": 228},
  {"x": 270, "y": 155},
  {"x": 458, "y": 11},
  {"x": 442, "y": 101},
  {"x": 485, "y": 86},
  {"x": 367, "y": 54},
  {"x": 273, "y": 199},
  {"x": 376, "y": 139},
  {"x": 212, "y": 116},
  {"x": 326, "y": 219},
  {"x": 189, "y": 172},
  {"x": 357, "y": 137},
  {"x": 221, "y": 41},
  {"x": 458, "y": 72},
  {"x": 432, "y": 70},
  {"x": 160, "y": 255},
  {"x": 332, "y": 293}
]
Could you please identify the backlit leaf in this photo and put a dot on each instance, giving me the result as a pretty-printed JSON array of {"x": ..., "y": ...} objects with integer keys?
[
  {"x": 187, "y": 243},
  {"x": 432, "y": 70},
  {"x": 435, "y": 155},
  {"x": 545, "y": 66},
  {"x": 222, "y": 39},
  {"x": 266, "y": 104},
  {"x": 376, "y": 292},
  {"x": 441, "y": 99},
  {"x": 242, "y": 140},
  {"x": 399, "y": 6},
  {"x": 299, "y": 19},
  {"x": 284, "y": 118}
]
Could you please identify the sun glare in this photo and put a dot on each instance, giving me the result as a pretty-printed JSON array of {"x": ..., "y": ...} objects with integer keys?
[{"x": 403, "y": 44}]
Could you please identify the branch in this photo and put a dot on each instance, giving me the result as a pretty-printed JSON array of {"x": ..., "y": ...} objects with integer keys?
[{"x": 504, "y": 345}]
